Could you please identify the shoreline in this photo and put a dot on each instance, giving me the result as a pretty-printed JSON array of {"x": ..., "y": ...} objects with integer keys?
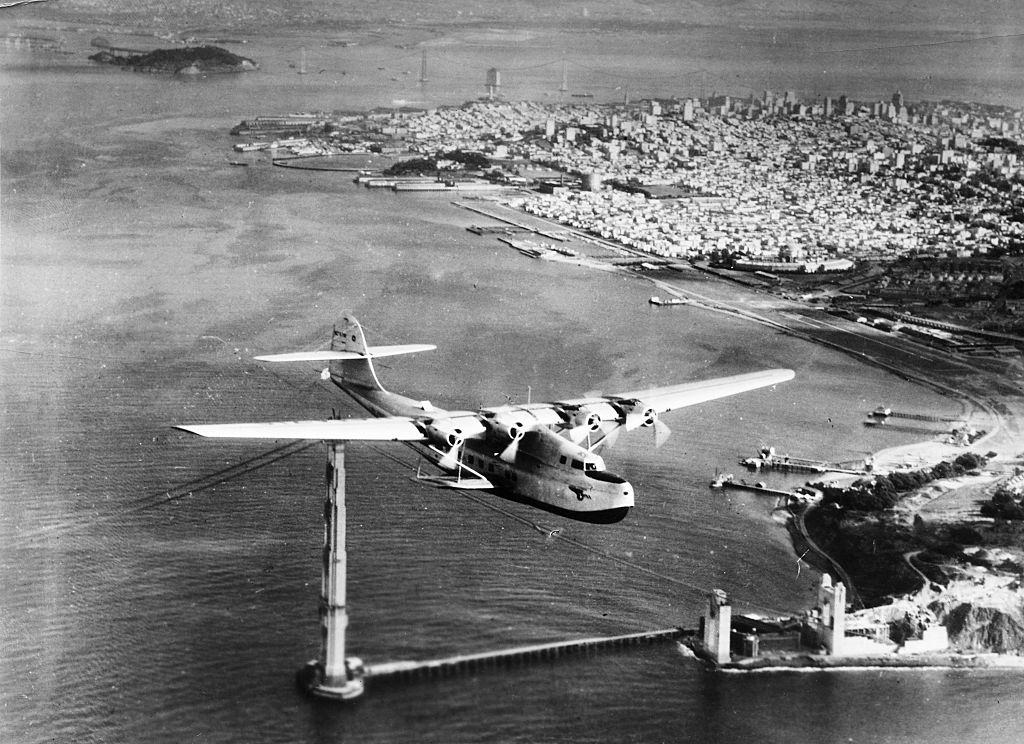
[
  {"x": 821, "y": 663},
  {"x": 989, "y": 404},
  {"x": 1002, "y": 417}
]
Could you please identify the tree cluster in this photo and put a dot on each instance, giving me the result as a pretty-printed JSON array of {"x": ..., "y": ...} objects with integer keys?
[
  {"x": 432, "y": 165},
  {"x": 883, "y": 491},
  {"x": 1004, "y": 504},
  {"x": 412, "y": 166}
]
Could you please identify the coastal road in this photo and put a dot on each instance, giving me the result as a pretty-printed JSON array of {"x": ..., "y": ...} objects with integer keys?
[
  {"x": 909, "y": 557},
  {"x": 801, "y": 527}
]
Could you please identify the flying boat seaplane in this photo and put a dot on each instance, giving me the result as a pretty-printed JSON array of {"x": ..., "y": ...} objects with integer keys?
[{"x": 543, "y": 454}]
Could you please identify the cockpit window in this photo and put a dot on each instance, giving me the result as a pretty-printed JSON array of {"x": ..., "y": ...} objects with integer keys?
[
  {"x": 578, "y": 464},
  {"x": 590, "y": 466}
]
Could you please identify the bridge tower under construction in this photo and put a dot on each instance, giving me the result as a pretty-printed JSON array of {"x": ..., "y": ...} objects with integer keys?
[{"x": 332, "y": 674}]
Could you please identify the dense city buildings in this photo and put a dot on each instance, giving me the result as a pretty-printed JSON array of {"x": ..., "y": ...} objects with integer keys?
[
  {"x": 767, "y": 180},
  {"x": 767, "y": 184}
]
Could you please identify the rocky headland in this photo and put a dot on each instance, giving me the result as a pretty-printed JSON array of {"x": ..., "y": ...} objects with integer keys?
[{"x": 937, "y": 556}]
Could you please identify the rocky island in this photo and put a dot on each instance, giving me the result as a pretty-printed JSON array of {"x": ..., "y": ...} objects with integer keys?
[{"x": 201, "y": 60}]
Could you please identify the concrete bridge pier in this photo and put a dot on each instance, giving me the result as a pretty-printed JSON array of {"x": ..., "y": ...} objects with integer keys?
[{"x": 331, "y": 674}]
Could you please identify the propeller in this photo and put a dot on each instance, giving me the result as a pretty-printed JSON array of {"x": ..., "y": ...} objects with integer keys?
[
  {"x": 637, "y": 418},
  {"x": 578, "y": 433},
  {"x": 509, "y": 453},
  {"x": 450, "y": 459},
  {"x": 661, "y": 432},
  {"x": 610, "y": 432},
  {"x": 503, "y": 426},
  {"x": 612, "y": 437},
  {"x": 637, "y": 415},
  {"x": 583, "y": 426},
  {"x": 447, "y": 439}
]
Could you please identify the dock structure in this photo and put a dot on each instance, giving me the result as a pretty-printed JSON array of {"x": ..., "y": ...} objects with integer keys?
[
  {"x": 557, "y": 236},
  {"x": 497, "y": 229},
  {"x": 884, "y": 425},
  {"x": 503, "y": 657},
  {"x": 767, "y": 460},
  {"x": 729, "y": 482},
  {"x": 884, "y": 413}
]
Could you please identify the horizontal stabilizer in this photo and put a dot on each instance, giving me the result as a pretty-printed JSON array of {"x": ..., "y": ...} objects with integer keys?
[
  {"x": 328, "y": 355},
  {"x": 376, "y": 429}
]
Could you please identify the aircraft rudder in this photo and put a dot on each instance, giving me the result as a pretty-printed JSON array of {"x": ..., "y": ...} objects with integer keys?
[{"x": 348, "y": 336}]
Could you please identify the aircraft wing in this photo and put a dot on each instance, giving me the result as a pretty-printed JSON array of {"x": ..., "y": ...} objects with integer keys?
[
  {"x": 376, "y": 429},
  {"x": 604, "y": 416},
  {"x": 663, "y": 399},
  {"x": 669, "y": 398}
]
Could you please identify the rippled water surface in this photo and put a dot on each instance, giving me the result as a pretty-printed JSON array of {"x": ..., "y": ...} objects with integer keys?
[{"x": 141, "y": 603}]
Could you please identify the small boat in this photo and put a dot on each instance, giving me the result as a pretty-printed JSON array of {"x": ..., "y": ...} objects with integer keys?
[{"x": 669, "y": 301}]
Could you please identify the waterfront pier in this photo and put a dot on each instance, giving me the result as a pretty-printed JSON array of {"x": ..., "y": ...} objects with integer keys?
[
  {"x": 885, "y": 425},
  {"x": 882, "y": 413},
  {"x": 497, "y": 229},
  {"x": 767, "y": 460},
  {"x": 728, "y": 481}
]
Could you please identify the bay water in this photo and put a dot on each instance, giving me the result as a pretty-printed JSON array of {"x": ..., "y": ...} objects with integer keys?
[{"x": 141, "y": 274}]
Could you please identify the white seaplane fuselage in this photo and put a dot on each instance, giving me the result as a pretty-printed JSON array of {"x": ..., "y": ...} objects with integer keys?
[{"x": 543, "y": 468}]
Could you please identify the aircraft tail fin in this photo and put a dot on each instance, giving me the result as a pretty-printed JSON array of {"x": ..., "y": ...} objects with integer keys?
[
  {"x": 349, "y": 358},
  {"x": 348, "y": 337}
]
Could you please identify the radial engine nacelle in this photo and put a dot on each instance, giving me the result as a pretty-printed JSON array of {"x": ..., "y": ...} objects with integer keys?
[
  {"x": 445, "y": 435},
  {"x": 509, "y": 426},
  {"x": 585, "y": 420},
  {"x": 637, "y": 413},
  {"x": 451, "y": 432}
]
